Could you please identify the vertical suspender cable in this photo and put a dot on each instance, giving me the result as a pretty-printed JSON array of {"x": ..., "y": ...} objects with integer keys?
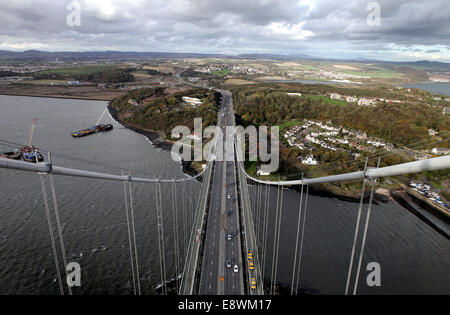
[
  {"x": 162, "y": 238},
  {"x": 255, "y": 213},
  {"x": 129, "y": 235},
  {"x": 278, "y": 236},
  {"x": 175, "y": 231},
  {"x": 253, "y": 207},
  {"x": 274, "y": 242},
  {"x": 355, "y": 238},
  {"x": 162, "y": 262},
  {"x": 264, "y": 247},
  {"x": 185, "y": 226},
  {"x": 193, "y": 193},
  {"x": 366, "y": 227},
  {"x": 302, "y": 240},
  {"x": 52, "y": 238},
  {"x": 294, "y": 268},
  {"x": 134, "y": 236},
  {"x": 58, "y": 224},
  {"x": 258, "y": 226}
]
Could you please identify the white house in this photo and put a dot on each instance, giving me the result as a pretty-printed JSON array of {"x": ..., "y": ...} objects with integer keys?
[
  {"x": 310, "y": 160},
  {"x": 440, "y": 151},
  {"x": 262, "y": 172},
  {"x": 366, "y": 102},
  {"x": 351, "y": 99},
  {"x": 192, "y": 101},
  {"x": 335, "y": 96}
]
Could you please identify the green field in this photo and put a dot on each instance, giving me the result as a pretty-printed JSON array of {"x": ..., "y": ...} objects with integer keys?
[
  {"x": 309, "y": 67},
  {"x": 81, "y": 70},
  {"x": 377, "y": 74},
  {"x": 221, "y": 73},
  {"x": 289, "y": 124}
]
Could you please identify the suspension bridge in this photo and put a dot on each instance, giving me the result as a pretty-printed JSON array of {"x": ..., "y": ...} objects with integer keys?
[{"x": 224, "y": 249}]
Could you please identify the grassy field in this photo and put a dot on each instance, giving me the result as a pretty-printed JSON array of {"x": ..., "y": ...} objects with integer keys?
[
  {"x": 289, "y": 124},
  {"x": 309, "y": 67},
  {"x": 238, "y": 82},
  {"x": 221, "y": 73},
  {"x": 378, "y": 74},
  {"x": 80, "y": 70}
]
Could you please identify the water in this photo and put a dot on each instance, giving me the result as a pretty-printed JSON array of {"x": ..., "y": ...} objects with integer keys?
[
  {"x": 414, "y": 258},
  {"x": 92, "y": 211},
  {"x": 313, "y": 82},
  {"x": 435, "y": 87}
]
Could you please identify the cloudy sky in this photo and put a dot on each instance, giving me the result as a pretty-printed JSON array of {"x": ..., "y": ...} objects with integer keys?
[{"x": 407, "y": 30}]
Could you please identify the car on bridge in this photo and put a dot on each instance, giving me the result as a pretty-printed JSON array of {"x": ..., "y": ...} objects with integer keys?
[
  {"x": 253, "y": 283},
  {"x": 229, "y": 263},
  {"x": 236, "y": 268}
]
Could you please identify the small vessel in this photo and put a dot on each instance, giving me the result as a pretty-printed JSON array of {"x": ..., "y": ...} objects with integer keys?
[
  {"x": 83, "y": 133},
  {"x": 92, "y": 130},
  {"x": 14, "y": 155},
  {"x": 104, "y": 128},
  {"x": 31, "y": 154}
]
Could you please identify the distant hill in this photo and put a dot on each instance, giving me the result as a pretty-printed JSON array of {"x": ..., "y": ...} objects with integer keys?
[{"x": 37, "y": 55}]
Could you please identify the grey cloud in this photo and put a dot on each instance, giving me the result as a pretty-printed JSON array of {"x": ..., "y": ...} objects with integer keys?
[{"x": 233, "y": 25}]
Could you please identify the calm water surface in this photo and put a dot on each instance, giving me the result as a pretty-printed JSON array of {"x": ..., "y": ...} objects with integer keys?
[{"x": 414, "y": 258}]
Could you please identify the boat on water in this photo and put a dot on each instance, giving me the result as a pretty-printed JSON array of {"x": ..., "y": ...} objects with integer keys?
[
  {"x": 14, "y": 155},
  {"x": 31, "y": 154},
  {"x": 104, "y": 128},
  {"x": 92, "y": 130}
]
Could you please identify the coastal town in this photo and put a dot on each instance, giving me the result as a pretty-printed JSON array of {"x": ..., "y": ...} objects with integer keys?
[{"x": 311, "y": 135}]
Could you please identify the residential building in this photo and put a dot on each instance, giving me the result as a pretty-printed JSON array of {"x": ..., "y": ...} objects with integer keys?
[
  {"x": 310, "y": 160},
  {"x": 366, "y": 102}
]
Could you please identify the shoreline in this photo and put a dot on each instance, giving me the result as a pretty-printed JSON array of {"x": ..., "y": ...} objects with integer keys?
[
  {"x": 156, "y": 140},
  {"x": 322, "y": 190},
  {"x": 424, "y": 211},
  {"x": 69, "y": 97}
]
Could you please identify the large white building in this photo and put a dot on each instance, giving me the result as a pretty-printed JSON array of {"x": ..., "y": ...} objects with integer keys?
[
  {"x": 310, "y": 160},
  {"x": 192, "y": 101},
  {"x": 366, "y": 102}
]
